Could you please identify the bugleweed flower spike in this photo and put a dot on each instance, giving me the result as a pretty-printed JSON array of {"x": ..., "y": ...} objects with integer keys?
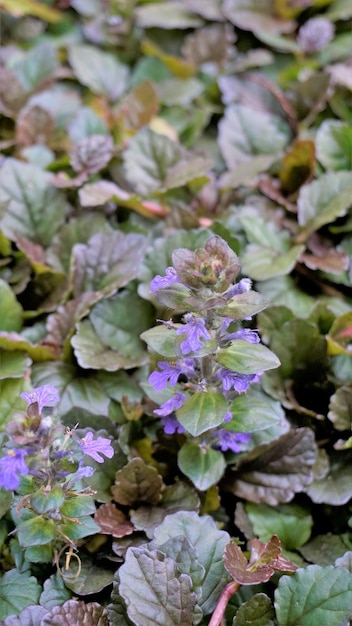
[
  {"x": 44, "y": 464},
  {"x": 207, "y": 358}
]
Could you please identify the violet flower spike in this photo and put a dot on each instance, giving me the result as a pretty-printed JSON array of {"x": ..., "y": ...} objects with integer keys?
[
  {"x": 194, "y": 329},
  {"x": 159, "y": 282},
  {"x": 95, "y": 447},
  {"x": 169, "y": 373},
  {"x": 171, "y": 405},
  {"x": 46, "y": 395},
  {"x": 12, "y": 466}
]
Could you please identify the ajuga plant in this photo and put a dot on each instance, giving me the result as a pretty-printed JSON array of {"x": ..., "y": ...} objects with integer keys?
[
  {"x": 208, "y": 356},
  {"x": 43, "y": 464}
]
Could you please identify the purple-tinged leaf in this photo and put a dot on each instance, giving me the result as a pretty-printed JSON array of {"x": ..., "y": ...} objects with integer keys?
[
  {"x": 101, "y": 71},
  {"x": 274, "y": 472},
  {"x": 75, "y": 612},
  {"x": 137, "y": 482}
]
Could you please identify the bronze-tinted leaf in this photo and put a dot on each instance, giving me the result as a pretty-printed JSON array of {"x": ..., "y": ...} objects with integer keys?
[
  {"x": 34, "y": 126},
  {"x": 274, "y": 472},
  {"x": 137, "y": 482},
  {"x": 112, "y": 521}
]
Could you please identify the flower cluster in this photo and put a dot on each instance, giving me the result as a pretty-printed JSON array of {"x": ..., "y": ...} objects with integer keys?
[
  {"x": 315, "y": 34},
  {"x": 39, "y": 447},
  {"x": 204, "y": 282}
]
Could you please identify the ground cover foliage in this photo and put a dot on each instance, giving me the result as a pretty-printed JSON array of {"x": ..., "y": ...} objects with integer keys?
[{"x": 175, "y": 313}]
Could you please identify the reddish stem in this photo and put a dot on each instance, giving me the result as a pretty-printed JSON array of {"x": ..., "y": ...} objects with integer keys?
[{"x": 223, "y": 601}]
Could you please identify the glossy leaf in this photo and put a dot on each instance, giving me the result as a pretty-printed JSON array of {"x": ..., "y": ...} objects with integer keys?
[
  {"x": 17, "y": 590},
  {"x": 202, "y": 411},
  {"x": 204, "y": 467},
  {"x": 246, "y": 358}
]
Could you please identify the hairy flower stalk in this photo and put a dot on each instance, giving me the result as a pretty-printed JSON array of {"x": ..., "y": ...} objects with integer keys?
[{"x": 208, "y": 366}]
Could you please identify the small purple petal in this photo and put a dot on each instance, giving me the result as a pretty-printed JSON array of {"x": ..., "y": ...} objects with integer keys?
[
  {"x": 171, "y": 425},
  {"x": 246, "y": 334},
  {"x": 46, "y": 395},
  {"x": 229, "y": 440},
  {"x": 171, "y": 405},
  {"x": 315, "y": 34},
  {"x": 12, "y": 466},
  {"x": 241, "y": 287},
  {"x": 233, "y": 380},
  {"x": 159, "y": 282},
  {"x": 194, "y": 329},
  {"x": 169, "y": 373},
  {"x": 95, "y": 447}
]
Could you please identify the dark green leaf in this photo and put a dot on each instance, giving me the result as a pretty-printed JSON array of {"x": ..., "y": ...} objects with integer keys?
[
  {"x": 202, "y": 411},
  {"x": 36, "y": 531},
  {"x": 257, "y": 611},
  {"x": 203, "y": 466},
  {"x": 314, "y": 597},
  {"x": 11, "y": 313},
  {"x": 254, "y": 411},
  {"x": 155, "y": 591},
  {"x": 17, "y": 590},
  {"x": 290, "y": 522}
]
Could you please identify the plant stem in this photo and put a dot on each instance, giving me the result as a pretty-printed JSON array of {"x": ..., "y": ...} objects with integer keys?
[{"x": 223, "y": 601}]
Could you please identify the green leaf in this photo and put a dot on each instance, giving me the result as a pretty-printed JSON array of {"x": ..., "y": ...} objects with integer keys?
[
  {"x": 202, "y": 411},
  {"x": 110, "y": 341},
  {"x": 185, "y": 556},
  {"x": 257, "y": 611},
  {"x": 46, "y": 500},
  {"x": 334, "y": 488},
  {"x": 78, "y": 530},
  {"x": 261, "y": 263},
  {"x": 35, "y": 209},
  {"x": 13, "y": 364},
  {"x": 254, "y": 411},
  {"x": 244, "y": 305},
  {"x": 324, "y": 200},
  {"x": 92, "y": 579},
  {"x": 10, "y": 401},
  {"x": 340, "y": 408},
  {"x": 39, "y": 554},
  {"x": 55, "y": 593},
  {"x": 245, "y": 133},
  {"x": 325, "y": 549},
  {"x": 107, "y": 262},
  {"x": 154, "y": 162},
  {"x": 78, "y": 506},
  {"x": 290, "y": 522},
  {"x": 161, "y": 339},
  {"x": 36, "y": 531},
  {"x": 101, "y": 71},
  {"x": 209, "y": 543},
  {"x": 334, "y": 145},
  {"x": 246, "y": 358},
  {"x": 17, "y": 590},
  {"x": 155, "y": 592},
  {"x": 314, "y": 596},
  {"x": 11, "y": 312},
  {"x": 36, "y": 65},
  {"x": 203, "y": 466}
]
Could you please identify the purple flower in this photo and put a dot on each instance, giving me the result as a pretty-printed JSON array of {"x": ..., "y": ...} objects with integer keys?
[
  {"x": 194, "y": 329},
  {"x": 96, "y": 447},
  {"x": 228, "y": 417},
  {"x": 230, "y": 440},
  {"x": 315, "y": 34},
  {"x": 47, "y": 395},
  {"x": 171, "y": 425},
  {"x": 233, "y": 380},
  {"x": 171, "y": 405},
  {"x": 246, "y": 334},
  {"x": 241, "y": 287},
  {"x": 11, "y": 467},
  {"x": 169, "y": 373},
  {"x": 159, "y": 282}
]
